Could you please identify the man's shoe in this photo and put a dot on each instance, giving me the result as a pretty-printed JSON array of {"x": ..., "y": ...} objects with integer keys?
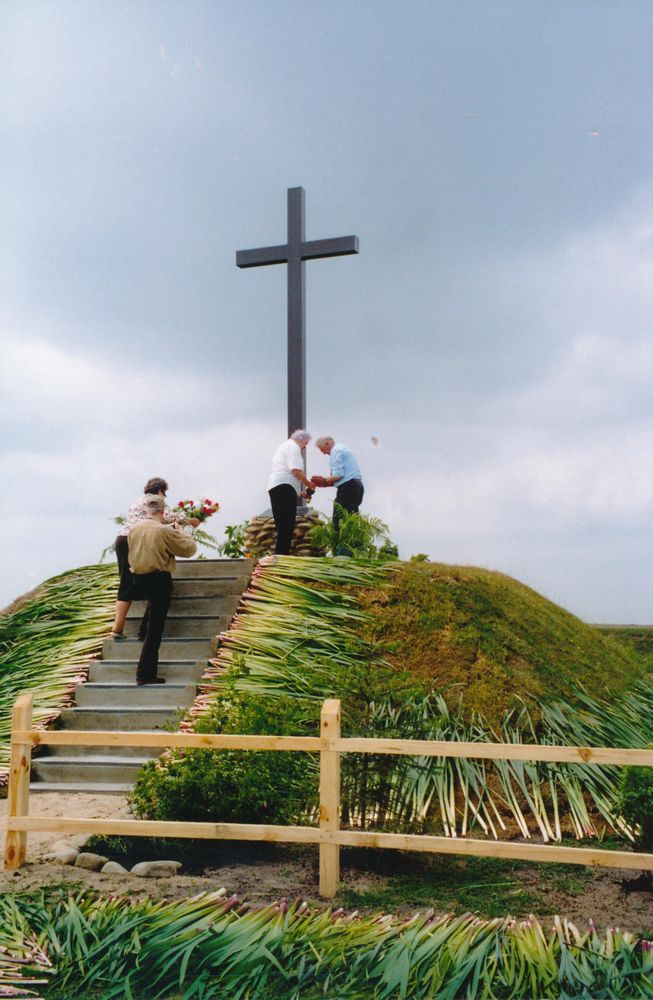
[
  {"x": 155, "y": 680},
  {"x": 118, "y": 636}
]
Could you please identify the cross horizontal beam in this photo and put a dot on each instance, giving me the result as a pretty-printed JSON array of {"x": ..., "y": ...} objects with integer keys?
[{"x": 338, "y": 246}]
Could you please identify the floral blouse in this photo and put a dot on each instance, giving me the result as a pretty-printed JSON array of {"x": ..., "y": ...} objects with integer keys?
[{"x": 138, "y": 512}]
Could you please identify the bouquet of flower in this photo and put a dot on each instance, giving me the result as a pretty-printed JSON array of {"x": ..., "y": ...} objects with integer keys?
[{"x": 205, "y": 508}]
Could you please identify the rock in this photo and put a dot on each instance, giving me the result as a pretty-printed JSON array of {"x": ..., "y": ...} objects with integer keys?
[
  {"x": 64, "y": 845},
  {"x": 156, "y": 869},
  {"x": 113, "y": 868},
  {"x": 92, "y": 862},
  {"x": 79, "y": 840},
  {"x": 67, "y": 857}
]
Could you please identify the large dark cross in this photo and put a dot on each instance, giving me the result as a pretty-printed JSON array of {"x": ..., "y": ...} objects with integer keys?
[{"x": 294, "y": 253}]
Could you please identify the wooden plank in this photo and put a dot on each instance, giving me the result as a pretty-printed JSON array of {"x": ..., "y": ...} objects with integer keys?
[
  {"x": 329, "y": 798},
  {"x": 492, "y": 849},
  {"x": 497, "y": 751},
  {"x": 428, "y": 748},
  {"x": 19, "y": 773},
  {"x": 168, "y": 828},
  {"x": 207, "y": 741}
]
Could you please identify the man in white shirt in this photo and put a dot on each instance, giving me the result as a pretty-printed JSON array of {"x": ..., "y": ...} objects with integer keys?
[{"x": 284, "y": 487}]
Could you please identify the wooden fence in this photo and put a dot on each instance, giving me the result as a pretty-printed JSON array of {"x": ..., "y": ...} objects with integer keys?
[{"x": 328, "y": 834}]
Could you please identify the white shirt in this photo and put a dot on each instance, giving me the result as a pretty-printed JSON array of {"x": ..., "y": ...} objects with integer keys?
[{"x": 287, "y": 456}]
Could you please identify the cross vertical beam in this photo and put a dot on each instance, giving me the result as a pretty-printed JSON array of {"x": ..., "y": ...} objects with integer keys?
[
  {"x": 294, "y": 253},
  {"x": 296, "y": 310}
]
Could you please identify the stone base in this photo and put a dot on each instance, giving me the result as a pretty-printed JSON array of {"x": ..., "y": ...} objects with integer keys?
[{"x": 260, "y": 535}]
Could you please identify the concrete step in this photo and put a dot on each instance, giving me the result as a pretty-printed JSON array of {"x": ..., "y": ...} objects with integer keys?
[
  {"x": 184, "y": 626},
  {"x": 197, "y": 648},
  {"x": 92, "y": 769},
  {"x": 241, "y": 569},
  {"x": 107, "y": 694},
  {"x": 180, "y": 605},
  {"x": 77, "y": 751},
  {"x": 124, "y": 671},
  {"x": 208, "y": 586},
  {"x": 104, "y": 788},
  {"x": 119, "y": 717}
]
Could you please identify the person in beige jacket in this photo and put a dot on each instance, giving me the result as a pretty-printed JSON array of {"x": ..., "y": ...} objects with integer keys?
[{"x": 153, "y": 546}]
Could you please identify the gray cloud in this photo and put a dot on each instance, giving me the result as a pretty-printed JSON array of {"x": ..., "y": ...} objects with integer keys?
[{"x": 493, "y": 334}]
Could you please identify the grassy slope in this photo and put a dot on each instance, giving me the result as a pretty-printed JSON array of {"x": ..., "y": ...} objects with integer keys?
[
  {"x": 637, "y": 638},
  {"x": 492, "y": 639}
]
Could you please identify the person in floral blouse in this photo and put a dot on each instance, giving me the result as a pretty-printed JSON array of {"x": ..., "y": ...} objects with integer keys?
[{"x": 138, "y": 512}]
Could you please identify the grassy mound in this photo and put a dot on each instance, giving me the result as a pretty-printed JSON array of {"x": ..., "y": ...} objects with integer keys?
[
  {"x": 406, "y": 649},
  {"x": 490, "y": 639},
  {"x": 637, "y": 638}
]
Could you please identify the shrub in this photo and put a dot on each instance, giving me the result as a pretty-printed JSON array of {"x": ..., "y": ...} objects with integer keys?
[
  {"x": 636, "y": 804},
  {"x": 233, "y": 785},
  {"x": 234, "y": 545},
  {"x": 355, "y": 535}
]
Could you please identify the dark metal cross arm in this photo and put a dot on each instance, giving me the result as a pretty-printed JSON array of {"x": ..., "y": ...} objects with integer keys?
[
  {"x": 261, "y": 256},
  {"x": 339, "y": 246}
]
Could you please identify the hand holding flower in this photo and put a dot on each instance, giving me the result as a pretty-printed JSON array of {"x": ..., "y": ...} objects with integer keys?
[{"x": 194, "y": 512}]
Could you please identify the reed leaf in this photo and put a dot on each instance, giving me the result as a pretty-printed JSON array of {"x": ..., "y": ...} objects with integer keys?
[
  {"x": 47, "y": 641},
  {"x": 212, "y": 946}
]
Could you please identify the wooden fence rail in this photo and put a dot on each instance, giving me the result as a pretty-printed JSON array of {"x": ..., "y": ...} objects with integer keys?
[{"x": 330, "y": 745}]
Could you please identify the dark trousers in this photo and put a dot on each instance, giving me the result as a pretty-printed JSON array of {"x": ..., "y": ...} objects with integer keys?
[
  {"x": 349, "y": 496},
  {"x": 283, "y": 500},
  {"x": 156, "y": 588},
  {"x": 126, "y": 584}
]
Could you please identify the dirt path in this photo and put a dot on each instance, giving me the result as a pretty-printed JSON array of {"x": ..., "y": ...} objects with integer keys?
[{"x": 261, "y": 873}]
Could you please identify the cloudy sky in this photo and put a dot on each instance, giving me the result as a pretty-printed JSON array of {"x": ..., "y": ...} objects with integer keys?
[{"x": 495, "y": 159}]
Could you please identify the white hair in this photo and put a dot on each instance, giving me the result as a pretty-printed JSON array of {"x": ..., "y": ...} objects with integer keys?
[
  {"x": 154, "y": 503},
  {"x": 323, "y": 441},
  {"x": 300, "y": 436}
]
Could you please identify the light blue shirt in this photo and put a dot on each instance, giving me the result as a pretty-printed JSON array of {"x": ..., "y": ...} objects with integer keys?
[{"x": 343, "y": 464}]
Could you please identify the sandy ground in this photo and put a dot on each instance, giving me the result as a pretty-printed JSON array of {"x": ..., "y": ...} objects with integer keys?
[
  {"x": 261, "y": 873},
  {"x": 247, "y": 872}
]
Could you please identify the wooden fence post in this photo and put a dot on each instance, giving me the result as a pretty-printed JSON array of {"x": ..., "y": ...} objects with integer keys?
[
  {"x": 19, "y": 771},
  {"x": 329, "y": 798}
]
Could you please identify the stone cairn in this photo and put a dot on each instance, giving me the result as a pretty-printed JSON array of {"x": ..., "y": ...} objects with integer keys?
[{"x": 260, "y": 535}]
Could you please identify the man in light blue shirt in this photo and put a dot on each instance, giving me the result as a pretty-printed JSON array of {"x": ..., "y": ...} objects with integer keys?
[{"x": 345, "y": 475}]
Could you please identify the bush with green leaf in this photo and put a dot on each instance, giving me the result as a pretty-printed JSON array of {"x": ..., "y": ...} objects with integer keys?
[
  {"x": 635, "y": 803},
  {"x": 234, "y": 545},
  {"x": 354, "y": 535},
  {"x": 237, "y": 786}
]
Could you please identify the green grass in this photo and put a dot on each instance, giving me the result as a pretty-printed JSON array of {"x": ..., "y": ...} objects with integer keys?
[
  {"x": 490, "y": 639},
  {"x": 638, "y": 639},
  {"x": 75, "y": 990},
  {"x": 488, "y": 887}
]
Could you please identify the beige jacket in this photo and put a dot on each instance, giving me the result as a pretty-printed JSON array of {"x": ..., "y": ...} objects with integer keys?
[{"x": 153, "y": 546}]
